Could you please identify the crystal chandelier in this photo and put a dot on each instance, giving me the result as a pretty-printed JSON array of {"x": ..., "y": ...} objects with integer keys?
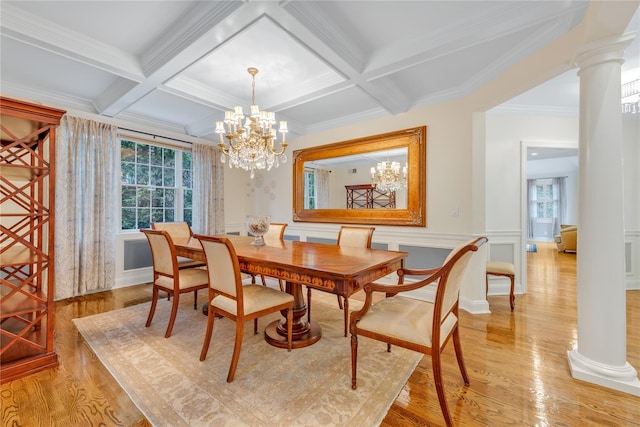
[
  {"x": 252, "y": 144},
  {"x": 388, "y": 179},
  {"x": 631, "y": 97}
]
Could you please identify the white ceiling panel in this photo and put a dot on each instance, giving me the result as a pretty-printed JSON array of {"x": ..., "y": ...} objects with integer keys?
[
  {"x": 282, "y": 62},
  {"x": 453, "y": 72},
  {"x": 337, "y": 107},
  {"x": 61, "y": 76},
  {"x": 132, "y": 26},
  {"x": 167, "y": 107}
]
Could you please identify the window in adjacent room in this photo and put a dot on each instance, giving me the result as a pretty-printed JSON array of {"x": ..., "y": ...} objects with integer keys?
[
  {"x": 544, "y": 199},
  {"x": 155, "y": 184}
]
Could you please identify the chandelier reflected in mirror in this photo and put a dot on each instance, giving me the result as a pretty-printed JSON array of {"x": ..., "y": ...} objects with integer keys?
[
  {"x": 252, "y": 143},
  {"x": 388, "y": 176}
]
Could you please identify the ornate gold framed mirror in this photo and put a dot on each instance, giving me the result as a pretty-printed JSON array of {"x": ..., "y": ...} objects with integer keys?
[{"x": 342, "y": 183}]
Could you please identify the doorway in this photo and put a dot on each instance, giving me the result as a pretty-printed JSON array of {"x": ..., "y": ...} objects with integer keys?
[{"x": 545, "y": 161}]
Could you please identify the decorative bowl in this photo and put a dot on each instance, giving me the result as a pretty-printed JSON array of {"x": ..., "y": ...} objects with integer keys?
[{"x": 257, "y": 226}]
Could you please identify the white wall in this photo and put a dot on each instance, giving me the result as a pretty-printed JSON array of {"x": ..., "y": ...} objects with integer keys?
[{"x": 505, "y": 134}]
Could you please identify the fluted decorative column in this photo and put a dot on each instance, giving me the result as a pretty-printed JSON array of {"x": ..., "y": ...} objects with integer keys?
[{"x": 600, "y": 354}]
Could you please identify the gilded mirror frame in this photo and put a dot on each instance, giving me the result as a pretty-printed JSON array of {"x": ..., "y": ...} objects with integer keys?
[{"x": 413, "y": 139}]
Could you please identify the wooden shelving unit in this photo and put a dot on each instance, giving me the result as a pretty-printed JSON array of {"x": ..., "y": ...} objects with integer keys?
[
  {"x": 367, "y": 196},
  {"x": 27, "y": 177}
]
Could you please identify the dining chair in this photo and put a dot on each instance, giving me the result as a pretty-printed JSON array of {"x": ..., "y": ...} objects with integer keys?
[
  {"x": 275, "y": 234},
  {"x": 416, "y": 324},
  {"x": 179, "y": 230},
  {"x": 506, "y": 269},
  {"x": 168, "y": 277},
  {"x": 353, "y": 237},
  {"x": 228, "y": 297}
]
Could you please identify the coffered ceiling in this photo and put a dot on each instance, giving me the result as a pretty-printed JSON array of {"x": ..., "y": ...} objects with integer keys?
[{"x": 177, "y": 65}]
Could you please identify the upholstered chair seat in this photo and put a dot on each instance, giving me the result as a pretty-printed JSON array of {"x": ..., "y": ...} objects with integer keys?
[
  {"x": 406, "y": 319},
  {"x": 187, "y": 278},
  {"x": 255, "y": 298}
]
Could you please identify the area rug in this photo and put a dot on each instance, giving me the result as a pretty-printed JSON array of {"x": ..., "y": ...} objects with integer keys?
[{"x": 272, "y": 387}]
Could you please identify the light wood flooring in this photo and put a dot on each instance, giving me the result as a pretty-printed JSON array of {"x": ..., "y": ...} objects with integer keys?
[{"x": 517, "y": 363}]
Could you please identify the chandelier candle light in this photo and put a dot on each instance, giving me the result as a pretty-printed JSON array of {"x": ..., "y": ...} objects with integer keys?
[
  {"x": 252, "y": 144},
  {"x": 388, "y": 179}
]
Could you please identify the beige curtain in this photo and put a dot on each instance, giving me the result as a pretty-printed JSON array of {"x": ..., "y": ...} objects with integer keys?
[
  {"x": 208, "y": 190},
  {"x": 85, "y": 206},
  {"x": 322, "y": 187}
]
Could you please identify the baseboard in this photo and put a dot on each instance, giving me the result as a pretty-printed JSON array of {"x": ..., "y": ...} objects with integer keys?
[
  {"x": 633, "y": 285},
  {"x": 474, "y": 306},
  {"x": 134, "y": 277}
]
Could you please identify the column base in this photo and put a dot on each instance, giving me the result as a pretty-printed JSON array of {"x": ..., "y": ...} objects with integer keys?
[{"x": 623, "y": 378}]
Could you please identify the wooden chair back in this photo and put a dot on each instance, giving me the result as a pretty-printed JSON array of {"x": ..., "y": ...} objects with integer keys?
[
  {"x": 359, "y": 237},
  {"x": 275, "y": 232},
  {"x": 223, "y": 267},
  {"x": 448, "y": 294},
  {"x": 163, "y": 252},
  {"x": 175, "y": 229}
]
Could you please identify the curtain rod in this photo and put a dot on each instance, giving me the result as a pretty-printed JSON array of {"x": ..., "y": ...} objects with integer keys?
[{"x": 155, "y": 136}]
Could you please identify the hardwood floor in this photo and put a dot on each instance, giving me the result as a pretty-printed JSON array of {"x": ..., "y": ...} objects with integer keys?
[{"x": 517, "y": 363}]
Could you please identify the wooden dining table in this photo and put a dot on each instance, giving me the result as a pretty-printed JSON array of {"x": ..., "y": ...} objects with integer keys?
[{"x": 329, "y": 268}]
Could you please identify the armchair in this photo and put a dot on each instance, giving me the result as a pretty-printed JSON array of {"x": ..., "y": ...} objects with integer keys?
[
  {"x": 567, "y": 241},
  {"x": 415, "y": 324}
]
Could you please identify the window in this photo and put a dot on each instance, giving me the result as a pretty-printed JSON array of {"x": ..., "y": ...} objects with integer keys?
[
  {"x": 309, "y": 189},
  {"x": 155, "y": 185},
  {"x": 544, "y": 199}
]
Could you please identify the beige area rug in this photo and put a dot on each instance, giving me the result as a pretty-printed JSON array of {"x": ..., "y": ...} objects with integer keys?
[{"x": 272, "y": 387}]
